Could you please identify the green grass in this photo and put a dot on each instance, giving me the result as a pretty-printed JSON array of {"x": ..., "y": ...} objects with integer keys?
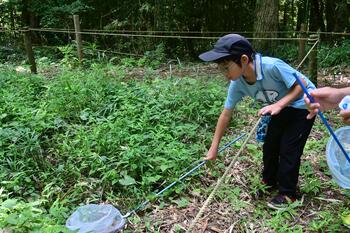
[
  {"x": 103, "y": 135},
  {"x": 84, "y": 136}
]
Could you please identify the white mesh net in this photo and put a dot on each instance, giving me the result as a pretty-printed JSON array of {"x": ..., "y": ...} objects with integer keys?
[
  {"x": 336, "y": 160},
  {"x": 96, "y": 219}
]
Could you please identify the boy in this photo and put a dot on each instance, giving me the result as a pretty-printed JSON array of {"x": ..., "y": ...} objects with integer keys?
[{"x": 270, "y": 81}]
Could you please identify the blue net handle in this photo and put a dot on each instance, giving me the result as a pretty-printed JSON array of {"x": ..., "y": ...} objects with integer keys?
[
  {"x": 195, "y": 168},
  {"x": 312, "y": 100}
]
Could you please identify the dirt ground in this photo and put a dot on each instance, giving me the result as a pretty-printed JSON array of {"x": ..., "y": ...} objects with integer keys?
[{"x": 219, "y": 217}]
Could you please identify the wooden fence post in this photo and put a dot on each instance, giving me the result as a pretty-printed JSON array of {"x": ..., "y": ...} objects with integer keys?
[
  {"x": 301, "y": 53},
  {"x": 29, "y": 50},
  {"x": 78, "y": 37},
  {"x": 313, "y": 58}
]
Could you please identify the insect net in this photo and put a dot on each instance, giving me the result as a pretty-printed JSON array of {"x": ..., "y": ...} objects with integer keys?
[
  {"x": 337, "y": 162},
  {"x": 94, "y": 218}
]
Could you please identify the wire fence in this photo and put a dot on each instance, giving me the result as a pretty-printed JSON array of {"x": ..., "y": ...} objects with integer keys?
[
  {"x": 124, "y": 43},
  {"x": 192, "y": 35},
  {"x": 150, "y": 33}
]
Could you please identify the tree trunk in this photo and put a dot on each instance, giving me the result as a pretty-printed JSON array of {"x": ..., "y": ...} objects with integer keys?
[
  {"x": 329, "y": 14},
  {"x": 302, "y": 14},
  {"x": 285, "y": 15},
  {"x": 34, "y": 23},
  {"x": 29, "y": 51},
  {"x": 292, "y": 14},
  {"x": 313, "y": 59},
  {"x": 25, "y": 14},
  {"x": 316, "y": 16},
  {"x": 301, "y": 51},
  {"x": 343, "y": 13},
  {"x": 30, "y": 20},
  {"x": 266, "y": 21},
  {"x": 12, "y": 18}
]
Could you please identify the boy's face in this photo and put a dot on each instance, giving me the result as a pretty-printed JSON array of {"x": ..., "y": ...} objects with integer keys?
[{"x": 230, "y": 69}]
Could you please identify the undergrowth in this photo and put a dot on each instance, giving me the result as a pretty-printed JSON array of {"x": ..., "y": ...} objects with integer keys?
[
  {"x": 100, "y": 135},
  {"x": 87, "y": 136}
]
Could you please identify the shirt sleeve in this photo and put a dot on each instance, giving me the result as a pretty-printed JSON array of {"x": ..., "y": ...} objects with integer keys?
[
  {"x": 284, "y": 72},
  {"x": 234, "y": 95}
]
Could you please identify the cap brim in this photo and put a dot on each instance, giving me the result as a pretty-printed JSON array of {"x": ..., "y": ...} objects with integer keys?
[{"x": 212, "y": 56}]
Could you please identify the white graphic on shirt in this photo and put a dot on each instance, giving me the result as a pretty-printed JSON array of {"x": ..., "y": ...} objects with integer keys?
[{"x": 271, "y": 95}]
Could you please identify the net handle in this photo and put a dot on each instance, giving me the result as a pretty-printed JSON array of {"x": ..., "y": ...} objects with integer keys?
[
  {"x": 182, "y": 177},
  {"x": 312, "y": 100}
]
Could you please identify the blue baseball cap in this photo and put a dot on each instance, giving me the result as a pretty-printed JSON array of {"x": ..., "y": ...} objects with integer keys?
[{"x": 229, "y": 45}]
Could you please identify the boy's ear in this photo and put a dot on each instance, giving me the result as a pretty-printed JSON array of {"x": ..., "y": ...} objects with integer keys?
[{"x": 244, "y": 59}]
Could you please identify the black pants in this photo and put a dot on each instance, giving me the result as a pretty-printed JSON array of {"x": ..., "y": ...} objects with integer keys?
[{"x": 284, "y": 144}]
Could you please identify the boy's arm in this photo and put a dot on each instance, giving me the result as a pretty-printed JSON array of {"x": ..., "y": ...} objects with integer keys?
[
  {"x": 275, "y": 108},
  {"x": 220, "y": 129}
]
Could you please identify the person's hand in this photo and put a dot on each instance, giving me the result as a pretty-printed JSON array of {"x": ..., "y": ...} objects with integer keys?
[
  {"x": 325, "y": 98},
  {"x": 345, "y": 114},
  {"x": 272, "y": 109},
  {"x": 212, "y": 153}
]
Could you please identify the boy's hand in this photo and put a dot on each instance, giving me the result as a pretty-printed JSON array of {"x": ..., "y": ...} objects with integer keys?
[
  {"x": 212, "y": 153},
  {"x": 345, "y": 114},
  {"x": 272, "y": 109}
]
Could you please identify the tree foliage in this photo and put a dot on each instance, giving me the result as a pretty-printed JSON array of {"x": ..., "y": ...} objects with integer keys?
[{"x": 169, "y": 17}]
